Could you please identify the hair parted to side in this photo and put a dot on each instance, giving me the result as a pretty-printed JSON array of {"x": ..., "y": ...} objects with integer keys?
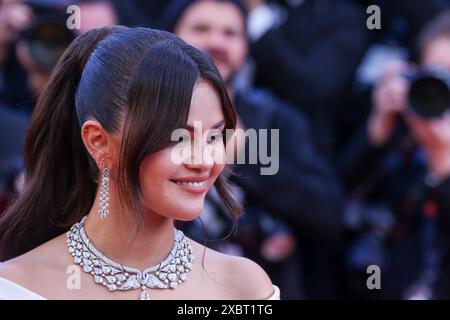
[{"x": 140, "y": 76}]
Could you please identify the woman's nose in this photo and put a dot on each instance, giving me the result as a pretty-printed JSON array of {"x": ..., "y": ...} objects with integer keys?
[{"x": 198, "y": 158}]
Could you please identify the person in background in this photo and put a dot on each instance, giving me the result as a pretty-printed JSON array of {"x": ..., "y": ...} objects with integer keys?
[
  {"x": 97, "y": 14},
  {"x": 12, "y": 135},
  {"x": 141, "y": 13},
  {"x": 397, "y": 171},
  {"x": 15, "y": 17},
  {"x": 307, "y": 52}
]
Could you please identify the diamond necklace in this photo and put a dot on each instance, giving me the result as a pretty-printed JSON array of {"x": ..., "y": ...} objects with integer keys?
[{"x": 167, "y": 274}]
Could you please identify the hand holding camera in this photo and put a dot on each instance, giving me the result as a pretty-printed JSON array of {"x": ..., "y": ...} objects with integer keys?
[{"x": 389, "y": 101}]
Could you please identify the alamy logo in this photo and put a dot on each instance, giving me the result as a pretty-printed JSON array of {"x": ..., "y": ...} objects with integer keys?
[
  {"x": 74, "y": 279},
  {"x": 374, "y": 20},
  {"x": 196, "y": 151},
  {"x": 74, "y": 20},
  {"x": 374, "y": 280}
]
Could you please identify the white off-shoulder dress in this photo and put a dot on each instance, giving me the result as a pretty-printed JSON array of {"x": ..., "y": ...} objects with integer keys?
[{"x": 10, "y": 290}]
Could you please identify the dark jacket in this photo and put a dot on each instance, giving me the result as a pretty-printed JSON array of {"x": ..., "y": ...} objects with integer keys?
[
  {"x": 393, "y": 179},
  {"x": 310, "y": 60},
  {"x": 305, "y": 192}
]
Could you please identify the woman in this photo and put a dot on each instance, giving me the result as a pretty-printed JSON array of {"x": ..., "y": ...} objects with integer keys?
[{"x": 106, "y": 117}]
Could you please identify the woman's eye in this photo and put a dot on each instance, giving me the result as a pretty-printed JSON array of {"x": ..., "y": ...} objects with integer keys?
[
  {"x": 214, "y": 137},
  {"x": 183, "y": 139}
]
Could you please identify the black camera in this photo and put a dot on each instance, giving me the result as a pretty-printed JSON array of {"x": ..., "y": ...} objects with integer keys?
[
  {"x": 429, "y": 94},
  {"x": 48, "y": 36}
]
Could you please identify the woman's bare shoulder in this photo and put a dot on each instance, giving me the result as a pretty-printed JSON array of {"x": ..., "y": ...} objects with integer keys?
[
  {"x": 242, "y": 277},
  {"x": 44, "y": 258}
]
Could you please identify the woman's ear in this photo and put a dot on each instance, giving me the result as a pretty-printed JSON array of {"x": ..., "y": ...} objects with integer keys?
[{"x": 97, "y": 141}]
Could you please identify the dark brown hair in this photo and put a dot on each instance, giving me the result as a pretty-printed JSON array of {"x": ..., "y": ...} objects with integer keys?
[{"x": 142, "y": 76}]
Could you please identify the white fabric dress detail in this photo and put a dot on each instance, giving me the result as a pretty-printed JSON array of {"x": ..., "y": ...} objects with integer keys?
[{"x": 10, "y": 290}]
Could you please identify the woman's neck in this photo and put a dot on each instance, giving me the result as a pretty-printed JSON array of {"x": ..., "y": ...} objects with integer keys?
[{"x": 117, "y": 240}]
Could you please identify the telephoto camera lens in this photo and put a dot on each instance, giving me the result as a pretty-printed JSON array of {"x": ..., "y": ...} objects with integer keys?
[
  {"x": 47, "y": 40},
  {"x": 429, "y": 95}
]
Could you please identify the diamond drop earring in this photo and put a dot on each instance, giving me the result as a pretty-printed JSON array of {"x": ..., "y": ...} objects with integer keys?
[{"x": 104, "y": 192}]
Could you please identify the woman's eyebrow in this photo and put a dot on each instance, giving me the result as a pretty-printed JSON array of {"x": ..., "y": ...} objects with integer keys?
[{"x": 215, "y": 126}]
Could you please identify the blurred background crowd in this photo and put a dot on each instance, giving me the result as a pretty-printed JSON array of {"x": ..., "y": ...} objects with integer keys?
[{"x": 363, "y": 114}]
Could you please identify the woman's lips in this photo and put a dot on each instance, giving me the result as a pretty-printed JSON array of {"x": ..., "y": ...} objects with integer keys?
[{"x": 192, "y": 184}]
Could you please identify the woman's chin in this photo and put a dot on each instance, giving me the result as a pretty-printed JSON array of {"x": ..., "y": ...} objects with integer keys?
[{"x": 188, "y": 212}]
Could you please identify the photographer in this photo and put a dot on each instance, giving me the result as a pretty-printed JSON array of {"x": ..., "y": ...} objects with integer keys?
[
  {"x": 400, "y": 162},
  {"x": 15, "y": 16},
  {"x": 33, "y": 35}
]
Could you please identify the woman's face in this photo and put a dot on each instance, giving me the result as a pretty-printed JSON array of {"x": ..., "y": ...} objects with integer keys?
[{"x": 176, "y": 188}]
